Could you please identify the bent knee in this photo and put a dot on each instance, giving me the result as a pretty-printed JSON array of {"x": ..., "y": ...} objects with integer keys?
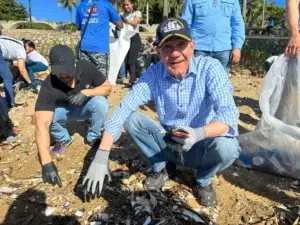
[
  {"x": 100, "y": 103},
  {"x": 227, "y": 148}
]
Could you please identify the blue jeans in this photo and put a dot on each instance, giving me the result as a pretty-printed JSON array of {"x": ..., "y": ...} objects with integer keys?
[
  {"x": 208, "y": 157},
  {"x": 7, "y": 77},
  {"x": 222, "y": 56},
  {"x": 33, "y": 68},
  {"x": 95, "y": 108},
  {"x": 122, "y": 73}
]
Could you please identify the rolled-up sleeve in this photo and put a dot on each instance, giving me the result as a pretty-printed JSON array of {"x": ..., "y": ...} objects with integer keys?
[
  {"x": 238, "y": 27},
  {"x": 187, "y": 12},
  {"x": 139, "y": 95},
  {"x": 220, "y": 91}
]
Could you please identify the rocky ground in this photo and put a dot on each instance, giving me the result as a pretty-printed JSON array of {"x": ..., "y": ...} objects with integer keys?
[{"x": 244, "y": 196}]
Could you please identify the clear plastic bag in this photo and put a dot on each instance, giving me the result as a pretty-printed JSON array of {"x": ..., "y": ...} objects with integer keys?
[{"x": 274, "y": 146}]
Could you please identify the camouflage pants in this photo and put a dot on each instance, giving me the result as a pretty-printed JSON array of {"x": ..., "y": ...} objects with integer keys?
[{"x": 100, "y": 60}]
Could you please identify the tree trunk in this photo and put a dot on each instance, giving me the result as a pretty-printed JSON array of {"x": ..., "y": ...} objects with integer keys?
[
  {"x": 244, "y": 9},
  {"x": 166, "y": 9},
  {"x": 71, "y": 18},
  {"x": 29, "y": 9}
]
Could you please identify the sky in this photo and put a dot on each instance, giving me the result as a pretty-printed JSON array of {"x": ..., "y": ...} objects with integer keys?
[{"x": 47, "y": 10}]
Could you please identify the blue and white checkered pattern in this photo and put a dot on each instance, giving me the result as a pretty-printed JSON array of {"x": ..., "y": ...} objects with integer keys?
[{"x": 202, "y": 96}]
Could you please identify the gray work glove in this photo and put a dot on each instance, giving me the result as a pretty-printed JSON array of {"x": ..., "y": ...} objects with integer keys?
[
  {"x": 186, "y": 143},
  {"x": 77, "y": 99},
  {"x": 97, "y": 172}
]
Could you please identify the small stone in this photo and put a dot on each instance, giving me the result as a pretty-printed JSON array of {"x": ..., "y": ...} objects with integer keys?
[
  {"x": 104, "y": 217},
  {"x": 7, "y": 190},
  {"x": 32, "y": 199},
  {"x": 78, "y": 213},
  {"x": 49, "y": 210},
  {"x": 14, "y": 196},
  {"x": 235, "y": 174},
  {"x": 246, "y": 219}
]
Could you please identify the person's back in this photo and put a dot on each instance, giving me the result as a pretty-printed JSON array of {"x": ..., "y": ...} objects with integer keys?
[
  {"x": 35, "y": 56},
  {"x": 11, "y": 48},
  {"x": 94, "y": 45},
  {"x": 96, "y": 37}
]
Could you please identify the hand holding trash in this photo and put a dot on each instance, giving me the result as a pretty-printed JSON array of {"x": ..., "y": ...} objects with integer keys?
[
  {"x": 97, "y": 172},
  {"x": 185, "y": 136},
  {"x": 50, "y": 174}
]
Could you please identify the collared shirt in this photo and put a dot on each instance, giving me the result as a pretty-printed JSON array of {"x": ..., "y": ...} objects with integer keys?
[
  {"x": 215, "y": 25},
  {"x": 202, "y": 96}
]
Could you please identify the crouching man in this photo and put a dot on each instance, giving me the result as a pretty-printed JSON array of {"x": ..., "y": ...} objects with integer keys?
[
  {"x": 196, "y": 111},
  {"x": 73, "y": 91}
]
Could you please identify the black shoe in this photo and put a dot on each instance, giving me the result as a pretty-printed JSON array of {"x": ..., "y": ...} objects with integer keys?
[
  {"x": 206, "y": 195},
  {"x": 10, "y": 106},
  {"x": 156, "y": 180},
  {"x": 120, "y": 81},
  {"x": 94, "y": 143},
  {"x": 171, "y": 169}
]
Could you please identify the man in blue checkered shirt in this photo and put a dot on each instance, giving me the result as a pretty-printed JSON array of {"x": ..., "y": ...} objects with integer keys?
[{"x": 196, "y": 110}]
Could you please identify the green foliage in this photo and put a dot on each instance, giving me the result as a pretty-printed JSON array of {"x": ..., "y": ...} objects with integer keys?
[
  {"x": 275, "y": 11},
  {"x": 254, "y": 59},
  {"x": 68, "y": 4},
  {"x": 37, "y": 26},
  {"x": 155, "y": 9},
  {"x": 69, "y": 26},
  {"x": 11, "y": 10},
  {"x": 255, "y": 9}
]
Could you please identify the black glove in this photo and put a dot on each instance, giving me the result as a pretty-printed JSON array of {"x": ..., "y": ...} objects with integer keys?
[
  {"x": 50, "y": 174},
  {"x": 116, "y": 32},
  {"x": 77, "y": 99}
]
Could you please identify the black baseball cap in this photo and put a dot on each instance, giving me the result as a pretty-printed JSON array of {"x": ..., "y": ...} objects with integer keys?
[
  {"x": 62, "y": 59},
  {"x": 170, "y": 28}
]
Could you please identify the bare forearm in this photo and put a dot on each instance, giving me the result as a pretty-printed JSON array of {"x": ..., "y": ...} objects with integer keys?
[
  {"x": 215, "y": 129},
  {"x": 107, "y": 141},
  {"x": 25, "y": 75},
  {"x": 42, "y": 138},
  {"x": 97, "y": 91},
  {"x": 293, "y": 16}
]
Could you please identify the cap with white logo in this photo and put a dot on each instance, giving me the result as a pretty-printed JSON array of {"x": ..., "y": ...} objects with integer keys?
[{"x": 170, "y": 28}]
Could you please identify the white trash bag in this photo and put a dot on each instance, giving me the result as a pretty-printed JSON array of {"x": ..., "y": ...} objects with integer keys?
[
  {"x": 274, "y": 146},
  {"x": 118, "y": 50}
]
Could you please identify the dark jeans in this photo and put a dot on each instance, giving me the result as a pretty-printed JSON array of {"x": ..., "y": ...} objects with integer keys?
[
  {"x": 132, "y": 55},
  {"x": 7, "y": 77},
  {"x": 222, "y": 56}
]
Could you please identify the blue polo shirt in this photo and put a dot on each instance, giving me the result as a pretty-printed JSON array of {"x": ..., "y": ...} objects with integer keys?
[{"x": 96, "y": 37}]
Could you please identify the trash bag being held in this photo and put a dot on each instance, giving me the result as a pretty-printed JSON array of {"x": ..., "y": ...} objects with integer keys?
[{"x": 274, "y": 146}]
